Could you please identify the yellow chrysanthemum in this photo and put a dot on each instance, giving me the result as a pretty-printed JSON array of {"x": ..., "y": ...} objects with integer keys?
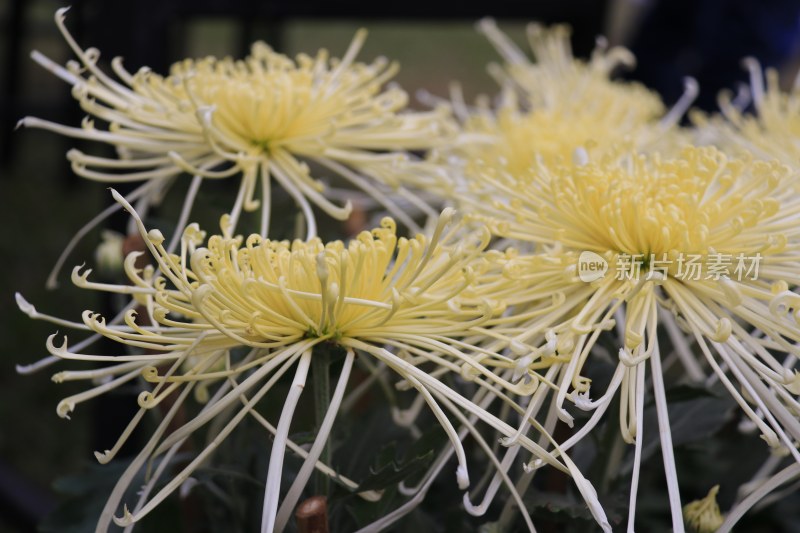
[
  {"x": 419, "y": 306},
  {"x": 649, "y": 205},
  {"x": 261, "y": 118},
  {"x": 617, "y": 241},
  {"x": 556, "y": 78},
  {"x": 514, "y": 142},
  {"x": 555, "y": 106},
  {"x": 773, "y": 132},
  {"x": 515, "y": 139}
]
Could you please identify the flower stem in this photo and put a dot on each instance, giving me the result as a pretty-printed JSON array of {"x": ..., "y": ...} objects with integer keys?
[{"x": 320, "y": 371}]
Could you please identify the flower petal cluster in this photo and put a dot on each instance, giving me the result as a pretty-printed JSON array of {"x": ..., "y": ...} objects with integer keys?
[
  {"x": 643, "y": 216},
  {"x": 585, "y": 220},
  {"x": 417, "y": 306},
  {"x": 555, "y": 108},
  {"x": 771, "y": 131},
  {"x": 260, "y": 119}
]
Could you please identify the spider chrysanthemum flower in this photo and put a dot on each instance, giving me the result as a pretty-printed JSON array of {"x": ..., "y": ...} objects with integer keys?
[
  {"x": 417, "y": 306},
  {"x": 259, "y": 119},
  {"x": 772, "y": 131},
  {"x": 556, "y": 104},
  {"x": 514, "y": 138},
  {"x": 555, "y": 77},
  {"x": 700, "y": 243}
]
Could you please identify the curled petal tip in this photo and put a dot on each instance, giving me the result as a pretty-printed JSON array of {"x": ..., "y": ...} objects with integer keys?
[
  {"x": 126, "y": 520},
  {"x": 186, "y": 487},
  {"x": 64, "y": 408},
  {"x": 103, "y": 457},
  {"x": 723, "y": 330},
  {"x": 52, "y": 348},
  {"x": 448, "y": 214},
  {"x": 486, "y": 23},
  {"x": 507, "y": 441},
  {"x": 793, "y": 383},
  {"x": 583, "y": 402},
  {"x": 347, "y": 208},
  {"x": 61, "y": 13},
  {"x": 533, "y": 465},
  {"x": 462, "y": 477},
  {"x": 155, "y": 236},
  {"x": 750, "y": 62},
  {"x": 117, "y": 196},
  {"x": 566, "y": 417},
  {"x": 521, "y": 367},
  {"x": 771, "y": 439},
  {"x": 691, "y": 86},
  {"x": 25, "y": 306},
  {"x": 78, "y": 278}
]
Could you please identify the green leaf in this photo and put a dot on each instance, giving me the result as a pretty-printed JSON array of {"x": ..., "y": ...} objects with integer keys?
[
  {"x": 388, "y": 470},
  {"x": 687, "y": 392},
  {"x": 558, "y": 504},
  {"x": 86, "y": 494},
  {"x": 695, "y": 413}
]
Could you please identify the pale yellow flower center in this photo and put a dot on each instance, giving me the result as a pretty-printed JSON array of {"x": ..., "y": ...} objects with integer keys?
[
  {"x": 552, "y": 135},
  {"x": 264, "y": 107},
  {"x": 646, "y": 206},
  {"x": 269, "y": 100},
  {"x": 277, "y": 291}
]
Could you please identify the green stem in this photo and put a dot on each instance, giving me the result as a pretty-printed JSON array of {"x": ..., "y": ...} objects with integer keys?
[
  {"x": 320, "y": 372},
  {"x": 613, "y": 462}
]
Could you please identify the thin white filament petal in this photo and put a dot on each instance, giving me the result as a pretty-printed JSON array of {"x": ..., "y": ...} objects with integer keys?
[{"x": 273, "y": 486}]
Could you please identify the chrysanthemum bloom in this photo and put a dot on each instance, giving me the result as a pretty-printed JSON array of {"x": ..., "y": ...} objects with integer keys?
[
  {"x": 700, "y": 247},
  {"x": 771, "y": 132},
  {"x": 555, "y": 77},
  {"x": 417, "y": 305},
  {"x": 515, "y": 138},
  {"x": 258, "y": 119},
  {"x": 552, "y": 106}
]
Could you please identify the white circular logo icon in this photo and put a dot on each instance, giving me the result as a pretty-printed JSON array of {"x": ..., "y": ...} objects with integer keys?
[{"x": 591, "y": 266}]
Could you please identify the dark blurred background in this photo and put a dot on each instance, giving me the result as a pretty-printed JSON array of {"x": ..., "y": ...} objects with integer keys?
[{"x": 435, "y": 42}]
